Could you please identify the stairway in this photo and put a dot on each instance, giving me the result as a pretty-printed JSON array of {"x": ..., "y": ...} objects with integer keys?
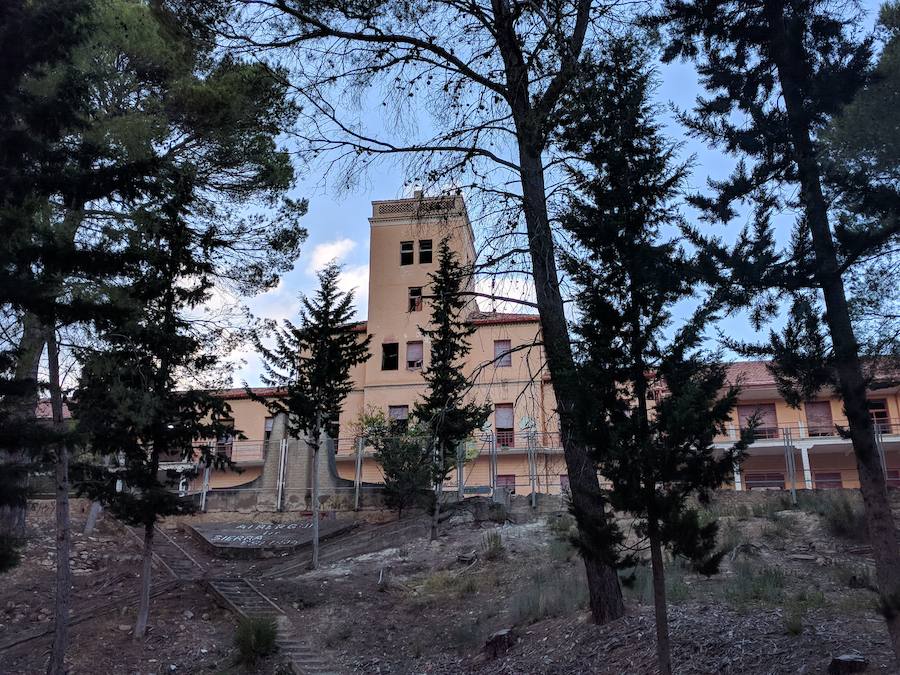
[
  {"x": 367, "y": 539},
  {"x": 179, "y": 563},
  {"x": 244, "y": 599}
]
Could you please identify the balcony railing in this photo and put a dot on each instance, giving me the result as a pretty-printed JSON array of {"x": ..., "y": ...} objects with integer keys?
[{"x": 800, "y": 431}]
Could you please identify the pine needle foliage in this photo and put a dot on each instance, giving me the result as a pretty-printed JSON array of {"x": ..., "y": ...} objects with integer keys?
[
  {"x": 311, "y": 360},
  {"x": 653, "y": 404},
  {"x": 444, "y": 410}
]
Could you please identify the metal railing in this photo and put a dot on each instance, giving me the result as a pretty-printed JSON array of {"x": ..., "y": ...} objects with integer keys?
[{"x": 800, "y": 430}]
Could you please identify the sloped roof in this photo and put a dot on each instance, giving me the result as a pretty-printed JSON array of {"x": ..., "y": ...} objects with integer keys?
[{"x": 489, "y": 318}]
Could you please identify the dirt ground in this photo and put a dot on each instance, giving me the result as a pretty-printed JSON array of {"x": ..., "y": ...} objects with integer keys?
[{"x": 791, "y": 594}]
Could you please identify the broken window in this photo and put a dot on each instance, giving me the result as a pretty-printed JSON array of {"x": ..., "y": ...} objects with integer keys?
[
  {"x": 390, "y": 356},
  {"x": 398, "y": 418},
  {"x": 415, "y": 299},
  {"x": 414, "y": 355}
]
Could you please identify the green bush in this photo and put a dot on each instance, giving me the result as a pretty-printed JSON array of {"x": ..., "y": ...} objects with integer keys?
[
  {"x": 492, "y": 545},
  {"x": 549, "y": 593},
  {"x": 255, "y": 639},
  {"x": 755, "y": 584},
  {"x": 845, "y": 520},
  {"x": 794, "y": 613},
  {"x": 9, "y": 553},
  {"x": 637, "y": 583}
]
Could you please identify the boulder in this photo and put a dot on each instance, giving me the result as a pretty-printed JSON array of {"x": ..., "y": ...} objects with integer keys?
[
  {"x": 500, "y": 642},
  {"x": 848, "y": 663}
]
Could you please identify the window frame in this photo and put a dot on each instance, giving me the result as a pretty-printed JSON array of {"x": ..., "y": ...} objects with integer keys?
[
  {"x": 504, "y": 359},
  {"x": 384, "y": 355},
  {"x": 398, "y": 424},
  {"x": 410, "y": 252},
  {"x": 423, "y": 251},
  {"x": 421, "y": 360},
  {"x": 414, "y": 302}
]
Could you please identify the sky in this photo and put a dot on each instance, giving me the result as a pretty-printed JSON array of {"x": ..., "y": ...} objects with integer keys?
[{"x": 337, "y": 220}]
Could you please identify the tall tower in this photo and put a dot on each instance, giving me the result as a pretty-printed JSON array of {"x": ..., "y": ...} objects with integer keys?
[{"x": 404, "y": 239}]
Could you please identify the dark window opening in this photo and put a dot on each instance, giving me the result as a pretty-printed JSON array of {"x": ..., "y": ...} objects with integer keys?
[
  {"x": 893, "y": 478},
  {"x": 415, "y": 299},
  {"x": 267, "y": 428},
  {"x": 390, "y": 356},
  {"x": 398, "y": 418},
  {"x": 424, "y": 251},
  {"x": 414, "y": 356},
  {"x": 406, "y": 253}
]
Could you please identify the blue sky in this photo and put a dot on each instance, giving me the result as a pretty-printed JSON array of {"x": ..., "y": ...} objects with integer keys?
[{"x": 338, "y": 226}]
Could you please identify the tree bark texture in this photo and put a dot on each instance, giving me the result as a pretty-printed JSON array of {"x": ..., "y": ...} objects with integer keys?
[
  {"x": 143, "y": 615},
  {"x": 31, "y": 347},
  {"x": 587, "y": 499},
  {"x": 663, "y": 648},
  {"x": 790, "y": 56},
  {"x": 56, "y": 666}
]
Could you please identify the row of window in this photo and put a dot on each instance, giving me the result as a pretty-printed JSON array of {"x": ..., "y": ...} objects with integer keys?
[
  {"x": 503, "y": 420},
  {"x": 407, "y": 252},
  {"x": 390, "y": 355},
  {"x": 822, "y": 480},
  {"x": 508, "y": 481},
  {"x": 818, "y": 417}
]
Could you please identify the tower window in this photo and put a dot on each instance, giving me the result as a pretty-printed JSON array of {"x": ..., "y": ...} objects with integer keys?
[
  {"x": 389, "y": 356},
  {"x": 424, "y": 251},
  {"x": 406, "y": 253},
  {"x": 414, "y": 356},
  {"x": 415, "y": 299}
]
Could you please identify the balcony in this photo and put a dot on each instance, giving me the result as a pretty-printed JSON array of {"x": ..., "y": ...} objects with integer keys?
[{"x": 888, "y": 430}]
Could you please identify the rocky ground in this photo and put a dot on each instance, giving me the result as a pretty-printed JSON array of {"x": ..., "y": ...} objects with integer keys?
[{"x": 794, "y": 591}]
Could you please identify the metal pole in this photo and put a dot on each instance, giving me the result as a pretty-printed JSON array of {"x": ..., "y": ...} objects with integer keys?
[
  {"x": 357, "y": 480},
  {"x": 279, "y": 497},
  {"x": 879, "y": 445},
  {"x": 532, "y": 470},
  {"x": 205, "y": 488},
  {"x": 493, "y": 450},
  {"x": 460, "y": 478},
  {"x": 789, "y": 461}
]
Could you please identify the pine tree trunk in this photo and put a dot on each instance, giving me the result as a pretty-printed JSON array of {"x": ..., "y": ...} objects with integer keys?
[
  {"x": 663, "y": 649},
  {"x": 143, "y": 615},
  {"x": 30, "y": 349},
  {"x": 315, "y": 508},
  {"x": 790, "y": 58},
  {"x": 438, "y": 491},
  {"x": 56, "y": 665},
  {"x": 587, "y": 500}
]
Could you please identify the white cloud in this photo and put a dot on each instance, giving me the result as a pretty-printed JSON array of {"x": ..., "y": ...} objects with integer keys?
[
  {"x": 356, "y": 278},
  {"x": 322, "y": 254}
]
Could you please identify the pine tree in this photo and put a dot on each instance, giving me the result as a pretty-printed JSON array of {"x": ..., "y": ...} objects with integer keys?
[
  {"x": 652, "y": 406},
  {"x": 405, "y": 460},
  {"x": 129, "y": 404},
  {"x": 777, "y": 74},
  {"x": 444, "y": 410},
  {"x": 311, "y": 361}
]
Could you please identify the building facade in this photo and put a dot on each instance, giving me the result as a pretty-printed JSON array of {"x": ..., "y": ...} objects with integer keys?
[{"x": 519, "y": 449}]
